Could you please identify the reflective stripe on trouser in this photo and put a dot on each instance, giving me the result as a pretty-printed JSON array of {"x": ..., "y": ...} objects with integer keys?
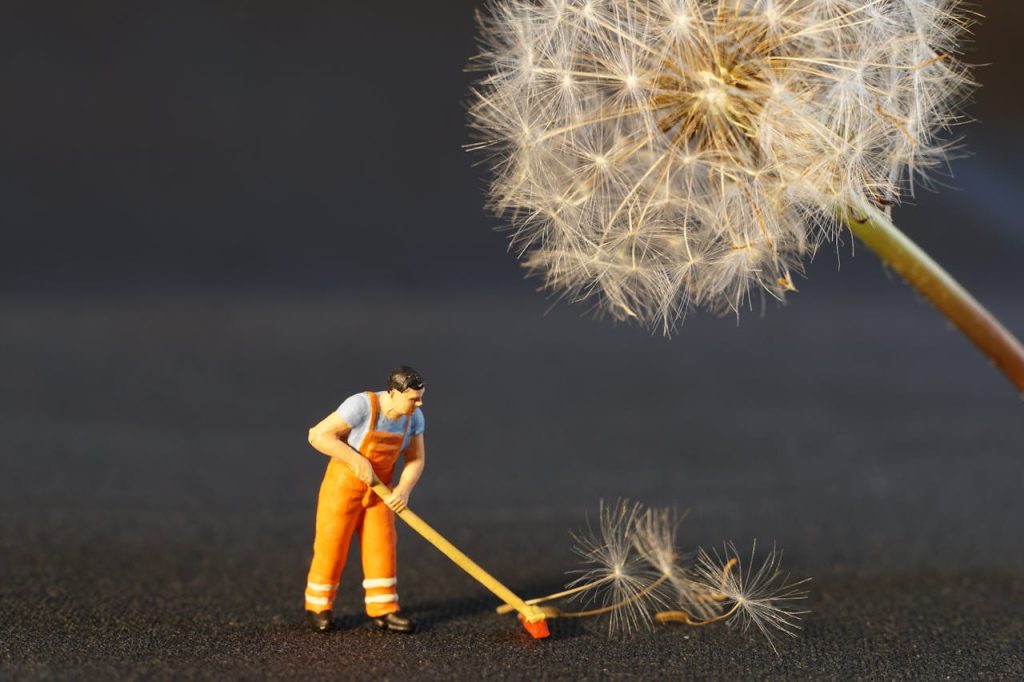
[
  {"x": 320, "y": 596},
  {"x": 381, "y": 595},
  {"x": 379, "y": 541},
  {"x": 340, "y": 512}
]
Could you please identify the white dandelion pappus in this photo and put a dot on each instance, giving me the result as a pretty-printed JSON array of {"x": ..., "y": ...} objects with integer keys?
[
  {"x": 759, "y": 595},
  {"x": 662, "y": 155},
  {"x": 619, "y": 581},
  {"x": 655, "y": 541}
]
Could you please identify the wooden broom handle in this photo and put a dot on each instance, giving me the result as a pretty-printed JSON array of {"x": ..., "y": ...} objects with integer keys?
[{"x": 530, "y": 613}]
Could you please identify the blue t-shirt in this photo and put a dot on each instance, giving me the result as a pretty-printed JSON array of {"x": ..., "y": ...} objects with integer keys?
[{"x": 356, "y": 413}]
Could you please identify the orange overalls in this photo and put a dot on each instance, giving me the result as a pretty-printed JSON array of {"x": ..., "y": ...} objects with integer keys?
[{"x": 347, "y": 504}]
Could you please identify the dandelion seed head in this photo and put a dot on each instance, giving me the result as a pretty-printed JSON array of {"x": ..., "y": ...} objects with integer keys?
[{"x": 618, "y": 129}]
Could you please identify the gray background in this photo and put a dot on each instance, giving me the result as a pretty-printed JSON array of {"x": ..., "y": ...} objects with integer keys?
[{"x": 223, "y": 218}]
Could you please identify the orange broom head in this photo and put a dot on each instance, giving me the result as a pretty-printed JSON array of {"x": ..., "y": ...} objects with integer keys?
[{"x": 538, "y": 629}]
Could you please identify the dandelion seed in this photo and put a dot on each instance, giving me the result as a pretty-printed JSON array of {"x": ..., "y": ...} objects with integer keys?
[
  {"x": 797, "y": 109},
  {"x": 760, "y": 595},
  {"x": 619, "y": 582},
  {"x": 655, "y": 541}
]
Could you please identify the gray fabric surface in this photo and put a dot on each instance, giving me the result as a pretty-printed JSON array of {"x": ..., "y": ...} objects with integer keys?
[{"x": 157, "y": 493}]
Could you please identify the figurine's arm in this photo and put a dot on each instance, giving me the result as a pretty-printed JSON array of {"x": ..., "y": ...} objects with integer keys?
[
  {"x": 328, "y": 437},
  {"x": 415, "y": 460}
]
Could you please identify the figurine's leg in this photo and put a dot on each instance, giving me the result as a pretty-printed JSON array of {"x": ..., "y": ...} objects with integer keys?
[
  {"x": 337, "y": 515},
  {"x": 379, "y": 542}
]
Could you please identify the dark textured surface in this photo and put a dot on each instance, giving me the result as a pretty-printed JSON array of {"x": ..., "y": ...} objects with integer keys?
[{"x": 156, "y": 492}]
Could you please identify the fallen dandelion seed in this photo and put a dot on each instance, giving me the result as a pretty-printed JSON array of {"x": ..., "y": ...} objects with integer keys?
[{"x": 637, "y": 577}]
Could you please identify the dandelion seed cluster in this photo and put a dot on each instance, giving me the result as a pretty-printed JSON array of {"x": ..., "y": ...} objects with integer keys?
[
  {"x": 665, "y": 155},
  {"x": 635, "y": 571}
]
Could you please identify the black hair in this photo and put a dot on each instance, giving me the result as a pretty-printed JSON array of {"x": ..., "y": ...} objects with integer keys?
[{"x": 403, "y": 378}]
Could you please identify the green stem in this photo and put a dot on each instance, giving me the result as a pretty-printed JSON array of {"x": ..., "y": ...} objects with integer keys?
[{"x": 873, "y": 228}]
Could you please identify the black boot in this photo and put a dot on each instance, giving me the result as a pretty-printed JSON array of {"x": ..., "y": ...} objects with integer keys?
[
  {"x": 321, "y": 622},
  {"x": 395, "y": 623}
]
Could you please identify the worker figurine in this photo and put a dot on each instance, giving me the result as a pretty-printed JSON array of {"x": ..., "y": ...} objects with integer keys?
[{"x": 364, "y": 438}]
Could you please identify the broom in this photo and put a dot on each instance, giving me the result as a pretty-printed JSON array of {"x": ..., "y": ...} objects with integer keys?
[{"x": 531, "y": 616}]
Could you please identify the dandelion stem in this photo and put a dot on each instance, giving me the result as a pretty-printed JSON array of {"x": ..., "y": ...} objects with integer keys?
[
  {"x": 726, "y": 570},
  {"x": 873, "y": 228},
  {"x": 607, "y": 609},
  {"x": 684, "y": 617}
]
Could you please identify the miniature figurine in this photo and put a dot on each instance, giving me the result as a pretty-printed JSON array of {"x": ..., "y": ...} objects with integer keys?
[{"x": 364, "y": 439}]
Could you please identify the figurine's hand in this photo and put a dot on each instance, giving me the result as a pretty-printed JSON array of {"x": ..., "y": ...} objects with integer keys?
[
  {"x": 362, "y": 469},
  {"x": 398, "y": 500}
]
